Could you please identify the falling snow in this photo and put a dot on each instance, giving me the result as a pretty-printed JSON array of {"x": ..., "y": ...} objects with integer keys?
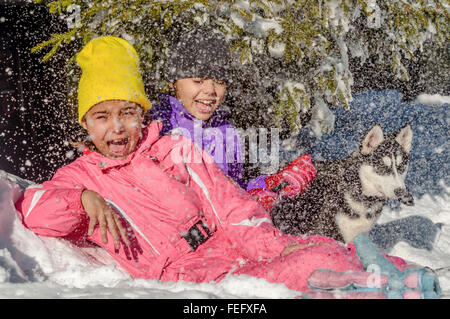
[{"x": 37, "y": 129}]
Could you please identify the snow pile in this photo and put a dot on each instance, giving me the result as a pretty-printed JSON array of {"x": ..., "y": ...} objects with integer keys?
[
  {"x": 437, "y": 209},
  {"x": 39, "y": 267},
  {"x": 433, "y": 99}
]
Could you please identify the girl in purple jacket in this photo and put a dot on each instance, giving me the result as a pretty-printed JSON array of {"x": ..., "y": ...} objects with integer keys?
[{"x": 198, "y": 71}]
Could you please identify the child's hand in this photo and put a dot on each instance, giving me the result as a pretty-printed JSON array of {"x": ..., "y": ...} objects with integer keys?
[{"x": 100, "y": 212}]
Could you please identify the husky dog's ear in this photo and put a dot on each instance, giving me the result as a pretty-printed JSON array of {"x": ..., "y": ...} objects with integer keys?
[
  {"x": 404, "y": 137},
  {"x": 372, "y": 139}
]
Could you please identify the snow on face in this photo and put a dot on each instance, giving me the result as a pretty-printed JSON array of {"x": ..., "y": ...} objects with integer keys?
[{"x": 114, "y": 127}]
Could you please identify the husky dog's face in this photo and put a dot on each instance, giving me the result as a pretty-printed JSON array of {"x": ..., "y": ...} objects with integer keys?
[{"x": 385, "y": 164}]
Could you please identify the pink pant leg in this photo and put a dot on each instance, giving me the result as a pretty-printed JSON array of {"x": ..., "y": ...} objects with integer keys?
[{"x": 294, "y": 269}]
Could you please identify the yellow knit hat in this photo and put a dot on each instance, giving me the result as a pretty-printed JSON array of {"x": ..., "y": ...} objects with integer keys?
[{"x": 110, "y": 68}]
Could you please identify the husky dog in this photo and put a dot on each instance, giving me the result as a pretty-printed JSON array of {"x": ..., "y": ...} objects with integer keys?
[{"x": 347, "y": 196}]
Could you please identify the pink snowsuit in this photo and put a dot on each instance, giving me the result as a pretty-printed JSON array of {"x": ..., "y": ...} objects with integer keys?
[{"x": 192, "y": 222}]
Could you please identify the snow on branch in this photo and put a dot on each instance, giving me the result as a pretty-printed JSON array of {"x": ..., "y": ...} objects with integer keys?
[{"x": 305, "y": 42}]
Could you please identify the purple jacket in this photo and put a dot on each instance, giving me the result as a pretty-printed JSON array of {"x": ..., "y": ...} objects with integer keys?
[{"x": 216, "y": 136}]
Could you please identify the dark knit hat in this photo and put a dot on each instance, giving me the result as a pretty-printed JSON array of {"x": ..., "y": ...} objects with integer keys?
[{"x": 199, "y": 53}]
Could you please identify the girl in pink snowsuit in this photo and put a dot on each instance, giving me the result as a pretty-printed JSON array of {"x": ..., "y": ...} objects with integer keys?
[{"x": 160, "y": 206}]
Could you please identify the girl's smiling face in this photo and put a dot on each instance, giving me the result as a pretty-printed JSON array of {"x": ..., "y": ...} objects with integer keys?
[
  {"x": 114, "y": 127},
  {"x": 200, "y": 97}
]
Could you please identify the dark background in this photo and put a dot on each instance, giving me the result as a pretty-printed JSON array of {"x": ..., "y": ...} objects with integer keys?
[{"x": 34, "y": 125}]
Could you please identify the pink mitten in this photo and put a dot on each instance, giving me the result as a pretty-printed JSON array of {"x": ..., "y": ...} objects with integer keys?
[
  {"x": 297, "y": 175},
  {"x": 265, "y": 197}
]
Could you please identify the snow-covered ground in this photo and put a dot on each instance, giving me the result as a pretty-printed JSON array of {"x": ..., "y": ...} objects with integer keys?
[
  {"x": 436, "y": 208},
  {"x": 38, "y": 267}
]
